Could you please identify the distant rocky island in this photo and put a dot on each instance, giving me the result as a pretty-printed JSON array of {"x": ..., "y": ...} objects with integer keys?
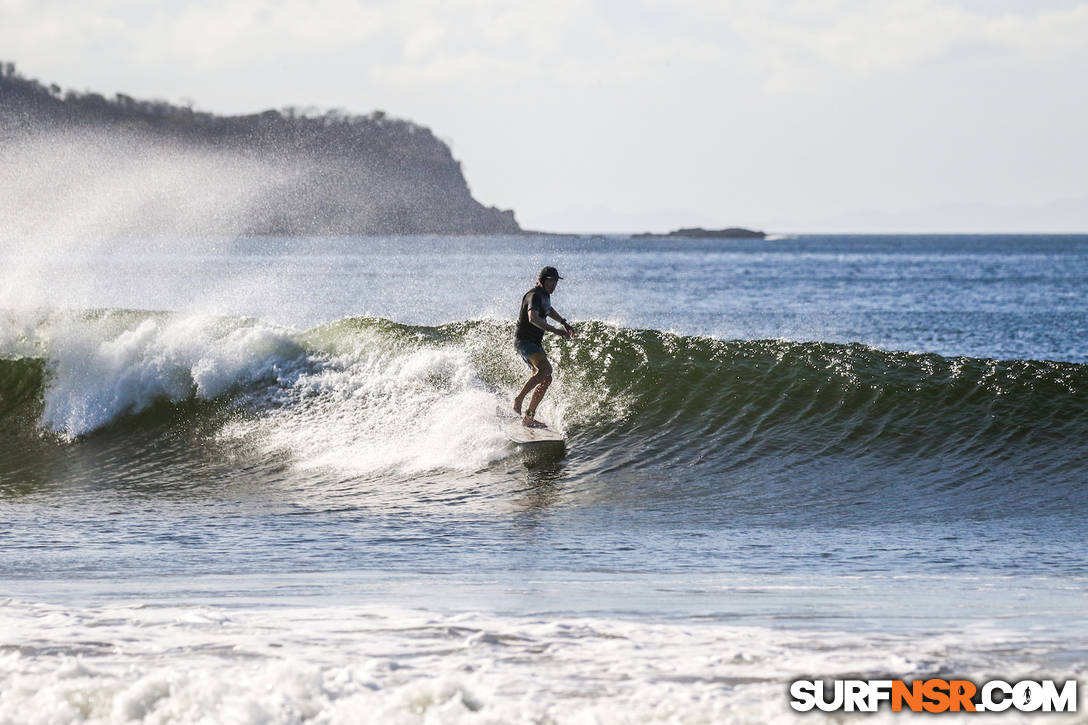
[
  {"x": 330, "y": 172},
  {"x": 700, "y": 233}
]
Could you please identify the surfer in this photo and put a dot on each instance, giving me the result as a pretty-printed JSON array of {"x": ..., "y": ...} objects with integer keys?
[{"x": 536, "y": 307}]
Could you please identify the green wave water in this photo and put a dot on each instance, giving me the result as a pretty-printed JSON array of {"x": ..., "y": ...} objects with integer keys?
[{"x": 737, "y": 425}]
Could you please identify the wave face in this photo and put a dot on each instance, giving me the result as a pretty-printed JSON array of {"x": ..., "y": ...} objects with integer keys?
[{"x": 681, "y": 426}]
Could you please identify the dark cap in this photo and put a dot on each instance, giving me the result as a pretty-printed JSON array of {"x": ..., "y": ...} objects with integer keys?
[{"x": 548, "y": 272}]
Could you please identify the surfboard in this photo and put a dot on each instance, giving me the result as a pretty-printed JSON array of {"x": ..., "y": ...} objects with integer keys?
[{"x": 518, "y": 433}]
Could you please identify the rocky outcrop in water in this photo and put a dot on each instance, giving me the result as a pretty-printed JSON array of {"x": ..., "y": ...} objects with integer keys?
[{"x": 700, "y": 233}]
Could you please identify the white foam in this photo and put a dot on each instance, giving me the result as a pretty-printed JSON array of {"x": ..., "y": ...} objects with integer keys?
[
  {"x": 351, "y": 664},
  {"x": 364, "y": 400},
  {"x": 98, "y": 371},
  {"x": 384, "y": 407}
]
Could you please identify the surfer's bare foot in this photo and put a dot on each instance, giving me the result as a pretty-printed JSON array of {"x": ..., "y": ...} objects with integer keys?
[
  {"x": 517, "y": 405},
  {"x": 530, "y": 422}
]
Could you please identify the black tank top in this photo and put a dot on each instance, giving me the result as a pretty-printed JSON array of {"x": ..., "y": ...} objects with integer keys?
[{"x": 536, "y": 299}]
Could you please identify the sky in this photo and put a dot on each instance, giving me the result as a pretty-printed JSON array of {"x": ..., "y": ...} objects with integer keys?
[{"x": 637, "y": 115}]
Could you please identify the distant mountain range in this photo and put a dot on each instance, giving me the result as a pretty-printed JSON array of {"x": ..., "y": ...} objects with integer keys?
[{"x": 332, "y": 173}]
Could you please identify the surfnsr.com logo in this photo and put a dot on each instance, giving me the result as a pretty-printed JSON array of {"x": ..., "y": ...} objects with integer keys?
[{"x": 933, "y": 695}]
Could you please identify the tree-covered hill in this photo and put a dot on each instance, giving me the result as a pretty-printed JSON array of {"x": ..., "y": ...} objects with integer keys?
[{"x": 333, "y": 172}]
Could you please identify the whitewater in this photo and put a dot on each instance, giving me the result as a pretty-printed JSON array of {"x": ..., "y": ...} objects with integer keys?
[{"x": 265, "y": 479}]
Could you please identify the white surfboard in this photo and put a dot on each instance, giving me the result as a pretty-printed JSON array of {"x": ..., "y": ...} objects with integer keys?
[{"x": 523, "y": 435}]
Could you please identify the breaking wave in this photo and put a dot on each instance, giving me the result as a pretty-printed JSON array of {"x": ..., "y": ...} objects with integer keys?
[{"x": 743, "y": 423}]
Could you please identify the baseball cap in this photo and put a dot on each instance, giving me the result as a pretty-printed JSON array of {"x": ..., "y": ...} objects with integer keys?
[{"x": 548, "y": 272}]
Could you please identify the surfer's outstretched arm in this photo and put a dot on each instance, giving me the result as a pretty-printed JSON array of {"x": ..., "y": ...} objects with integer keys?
[
  {"x": 542, "y": 323},
  {"x": 562, "y": 321}
]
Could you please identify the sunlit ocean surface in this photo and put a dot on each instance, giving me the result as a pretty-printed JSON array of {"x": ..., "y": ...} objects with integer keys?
[{"x": 267, "y": 480}]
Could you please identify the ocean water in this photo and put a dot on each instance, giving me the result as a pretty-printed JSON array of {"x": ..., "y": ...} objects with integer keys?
[{"x": 266, "y": 480}]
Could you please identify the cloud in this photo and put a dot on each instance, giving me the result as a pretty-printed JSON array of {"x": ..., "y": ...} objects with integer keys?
[
  {"x": 206, "y": 34},
  {"x": 783, "y": 47},
  {"x": 798, "y": 44}
]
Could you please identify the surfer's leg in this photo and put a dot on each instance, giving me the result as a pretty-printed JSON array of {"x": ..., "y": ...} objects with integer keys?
[
  {"x": 535, "y": 358},
  {"x": 544, "y": 376},
  {"x": 529, "y": 385}
]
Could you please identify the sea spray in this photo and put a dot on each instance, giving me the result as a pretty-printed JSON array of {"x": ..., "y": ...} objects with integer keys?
[{"x": 71, "y": 196}]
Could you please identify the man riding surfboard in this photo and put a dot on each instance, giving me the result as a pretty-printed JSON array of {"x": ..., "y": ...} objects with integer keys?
[{"x": 536, "y": 307}]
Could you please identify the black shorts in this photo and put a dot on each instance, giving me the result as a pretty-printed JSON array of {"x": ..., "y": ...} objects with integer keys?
[{"x": 531, "y": 352}]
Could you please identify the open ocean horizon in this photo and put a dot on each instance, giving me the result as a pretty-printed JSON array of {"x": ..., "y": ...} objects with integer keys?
[{"x": 265, "y": 480}]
